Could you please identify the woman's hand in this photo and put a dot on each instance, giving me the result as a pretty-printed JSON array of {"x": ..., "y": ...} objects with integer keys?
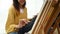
[{"x": 22, "y": 22}]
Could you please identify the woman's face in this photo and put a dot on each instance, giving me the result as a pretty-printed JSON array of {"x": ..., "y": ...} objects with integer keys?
[{"x": 21, "y": 2}]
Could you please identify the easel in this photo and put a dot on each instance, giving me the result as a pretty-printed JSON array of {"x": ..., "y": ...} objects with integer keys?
[{"x": 45, "y": 20}]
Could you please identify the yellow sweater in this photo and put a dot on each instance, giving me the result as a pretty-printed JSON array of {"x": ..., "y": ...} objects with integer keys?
[{"x": 13, "y": 18}]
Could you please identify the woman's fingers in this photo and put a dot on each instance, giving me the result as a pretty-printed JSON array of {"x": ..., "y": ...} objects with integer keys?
[{"x": 23, "y": 22}]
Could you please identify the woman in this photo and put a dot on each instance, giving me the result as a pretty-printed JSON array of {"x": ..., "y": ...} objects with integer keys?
[{"x": 17, "y": 17}]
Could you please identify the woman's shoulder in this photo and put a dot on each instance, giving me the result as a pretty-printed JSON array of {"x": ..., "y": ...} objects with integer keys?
[
  {"x": 11, "y": 7},
  {"x": 25, "y": 9}
]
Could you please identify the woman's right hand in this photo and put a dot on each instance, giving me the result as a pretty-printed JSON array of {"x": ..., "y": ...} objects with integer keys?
[{"x": 22, "y": 22}]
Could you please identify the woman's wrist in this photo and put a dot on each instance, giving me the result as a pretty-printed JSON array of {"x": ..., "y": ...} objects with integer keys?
[{"x": 16, "y": 27}]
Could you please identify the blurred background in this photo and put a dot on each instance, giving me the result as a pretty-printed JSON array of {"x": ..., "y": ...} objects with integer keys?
[{"x": 33, "y": 8}]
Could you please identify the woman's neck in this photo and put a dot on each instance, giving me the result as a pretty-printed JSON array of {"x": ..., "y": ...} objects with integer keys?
[{"x": 21, "y": 6}]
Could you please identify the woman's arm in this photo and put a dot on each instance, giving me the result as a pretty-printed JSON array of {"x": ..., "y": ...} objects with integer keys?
[{"x": 10, "y": 20}]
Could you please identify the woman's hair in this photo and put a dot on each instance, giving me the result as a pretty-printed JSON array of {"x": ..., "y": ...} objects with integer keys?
[{"x": 16, "y": 4}]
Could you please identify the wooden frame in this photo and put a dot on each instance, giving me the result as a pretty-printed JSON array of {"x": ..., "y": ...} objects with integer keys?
[{"x": 46, "y": 18}]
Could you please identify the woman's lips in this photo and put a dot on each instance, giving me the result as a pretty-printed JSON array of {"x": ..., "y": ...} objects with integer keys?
[{"x": 21, "y": 1}]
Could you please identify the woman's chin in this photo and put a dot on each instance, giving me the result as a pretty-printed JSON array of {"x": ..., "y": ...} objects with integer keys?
[{"x": 21, "y": 3}]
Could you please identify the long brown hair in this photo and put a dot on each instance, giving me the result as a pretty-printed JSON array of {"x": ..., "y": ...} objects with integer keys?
[{"x": 16, "y": 4}]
